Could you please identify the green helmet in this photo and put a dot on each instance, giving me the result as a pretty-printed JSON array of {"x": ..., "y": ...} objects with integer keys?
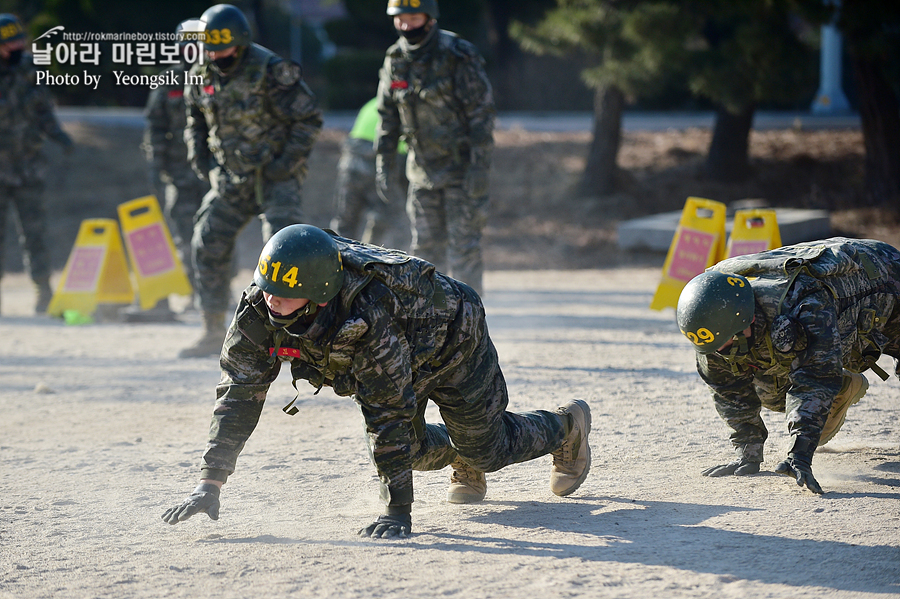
[
  {"x": 300, "y": 261},
  {"x": 226, "y": 26},
  {"x": 11, "y": 29},
  {"x": 400, "y": 7},
  {"x": 713, "y": 308}
]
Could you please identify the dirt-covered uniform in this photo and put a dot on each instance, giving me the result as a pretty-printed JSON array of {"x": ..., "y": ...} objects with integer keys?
[
  {"x": 182, "y": 190},
  {"x": 437, "y": 96},
  {"x": 26, "y": 120},
  {"x": 250, "y": 134},
  {"x": 821, "y": 307},
  {"x": 397, "y": 334}
]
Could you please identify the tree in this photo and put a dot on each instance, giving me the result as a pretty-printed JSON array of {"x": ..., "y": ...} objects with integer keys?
[
  {"x": 872, "y": 32},
  {"x": 615, "y": 36}
]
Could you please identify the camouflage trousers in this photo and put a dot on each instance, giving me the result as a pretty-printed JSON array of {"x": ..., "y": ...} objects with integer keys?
[
  {"x": 446, "y": 230},
  {"x": 478, "y": 429},
  {"x": 358, "y": 211},
  {"x": 183, "y": 196},
  {"x": 226, "y": 209},
  {"x": 31, "y": 224}
]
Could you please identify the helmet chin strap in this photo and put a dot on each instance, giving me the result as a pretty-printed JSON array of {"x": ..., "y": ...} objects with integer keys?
[{"x": 282, "y": 322}]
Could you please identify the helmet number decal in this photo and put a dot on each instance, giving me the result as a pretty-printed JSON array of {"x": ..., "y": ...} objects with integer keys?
[
  {"x": 735, "y": 281},
  {"x": 10, "y": 30},
  {"x": 290, "y": 277},
  {"x": 703, "y": 336},
  {"x": 218, "y": 36},
  {"x": 409, "y": 3}
]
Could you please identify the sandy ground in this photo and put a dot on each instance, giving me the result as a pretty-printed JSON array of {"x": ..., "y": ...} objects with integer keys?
[{"x": 102, "y": 429}]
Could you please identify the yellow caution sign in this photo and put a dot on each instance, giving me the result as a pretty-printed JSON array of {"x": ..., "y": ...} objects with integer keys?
[
  {"x": 96, "y": 271},
  {"x": 754, "y": 231},
  {"x": 699, "y": 243},
  {"x": 158, "y": 271}
]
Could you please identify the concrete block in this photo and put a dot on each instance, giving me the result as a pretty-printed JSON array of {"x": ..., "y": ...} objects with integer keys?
[{"x": 655, "y": 232}]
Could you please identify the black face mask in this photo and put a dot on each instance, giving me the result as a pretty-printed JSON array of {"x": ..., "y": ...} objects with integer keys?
[
  {"x": 14, "y": 57},
  {"x": 415, "y": 36},
  {"x": 223, "y": 64}
]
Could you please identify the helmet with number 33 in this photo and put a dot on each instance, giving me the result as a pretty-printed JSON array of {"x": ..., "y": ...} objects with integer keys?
[
  {"x": 226, "y": 26},
  {"x": 300, "y": 261},
  {"x": 713, "y": 308},
  {"x": 11, "y": 29},
  {"x": 399, "y": 7}
]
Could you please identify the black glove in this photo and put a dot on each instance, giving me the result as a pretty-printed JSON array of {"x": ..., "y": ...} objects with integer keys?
[
  {"x": 799, "y": 466},
  {"x": 396, "y": 522},
  {"x": 205, "y": 498},
  {"x": 739, "y": 467},
  {"x": 386, "y": 178}
]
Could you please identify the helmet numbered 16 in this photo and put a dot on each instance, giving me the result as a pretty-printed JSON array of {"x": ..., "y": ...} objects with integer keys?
[
  {"x": 300, "y": 261},
  {"x": 713, "y": 308},
  {"x": 400, "y": 7}
]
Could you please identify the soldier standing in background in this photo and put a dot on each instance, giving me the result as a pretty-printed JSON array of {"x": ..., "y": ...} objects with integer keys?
[
  {"x": 791, "y": 330},
  {"x": 433, "y": 92},
  {"x": 181, "y": 189},
  {"x": 251, "y": 125},
  {"x": 26, "y": 118},
  {"x": 389, "y": 330},
  {"x": 359, "y": 211}
]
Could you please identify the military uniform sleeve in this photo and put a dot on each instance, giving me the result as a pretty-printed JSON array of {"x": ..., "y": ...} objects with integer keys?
[
  {"x": 737, "y": 404},
  {"x": 240, "y": 395},
  {"x": 387, "y": 135},
  {"x": 157, "y": 128},
  {"x": 382, "y": 369},
  {"x": 817, "y": 375},
  {"x": 475, "y": 95},
  {"x": 293, "y": 101},
  {"x": 195, "y": 132}
]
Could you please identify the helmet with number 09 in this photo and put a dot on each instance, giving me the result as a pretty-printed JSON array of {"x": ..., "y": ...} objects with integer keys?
[
  {"x": 300, "y": 261},
  {"x": 400, "y": 7},
  {"x": 11, "y": 29},
  {"x": 713, "y": 308},
  {"x": 226, "y": 26}
]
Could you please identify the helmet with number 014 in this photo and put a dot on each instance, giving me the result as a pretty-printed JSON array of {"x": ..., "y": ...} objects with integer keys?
[
  {"x": 226, "y": 26},
  {"x": 713, "y": 308},
  {"x": 300, "y": 261},
  {"x": 400, "y": 7},
  {"x": 11, "y": 29}
]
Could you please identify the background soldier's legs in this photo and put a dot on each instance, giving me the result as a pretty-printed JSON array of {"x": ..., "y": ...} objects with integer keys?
[
  {"x": 32, "y": 226},
  {"x": 429, "y": 226},
  {"x": 281, "y": 206},
  {"x": 182, "y": 203},
  {"x": 219, "y": 221},
  {"x": 466, "y": 217}
]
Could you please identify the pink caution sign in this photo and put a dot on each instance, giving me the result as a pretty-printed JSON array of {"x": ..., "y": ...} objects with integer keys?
[
  {"x": 150, "y": 250},
  {"x": 742, "y": 248},
  {"x": 691, "y": 254},
  {"x": 84, "y": 269}
]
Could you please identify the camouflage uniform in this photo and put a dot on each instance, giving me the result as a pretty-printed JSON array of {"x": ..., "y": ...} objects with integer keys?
[
  {"x": 820, "y": 307},
  {"x": 182, "y": 190},
  {"x": 255, "y": 129},
  {"x": 26, "y": 118},
  {"x": 437, "y": 96},
  {"x": 398, "y": 334},
  {"x": 359, "y": 212}
]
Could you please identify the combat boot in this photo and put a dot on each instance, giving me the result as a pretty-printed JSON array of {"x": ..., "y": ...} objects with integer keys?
[
  {"x": 853, "y": 388},
  {"x": 467, "y": 485},
  {"x": 572, "y": 461},
  {"x": 210, "y": 344},
  {"x": 44, "y": 295}
]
